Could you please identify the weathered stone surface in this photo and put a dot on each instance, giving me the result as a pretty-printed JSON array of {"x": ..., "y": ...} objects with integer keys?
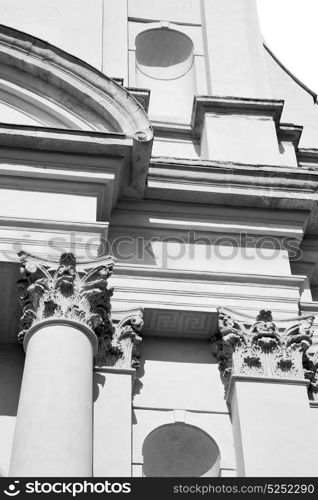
[
  {"x": 311, "y": 373},
  {"x": 122, "y": 352},
  {"x": 80, "y": 293},
  {"x": 264, "y": 348}
]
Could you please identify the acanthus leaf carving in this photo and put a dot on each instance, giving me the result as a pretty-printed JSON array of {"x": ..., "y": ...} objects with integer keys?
[
  {"x": 123, "y": 350},
  {"x": 311, "y": 372},
  {"x": 79, "y": 292},
  {"x": 66, "y": 291},
  {"x": 265, "y": 347}
]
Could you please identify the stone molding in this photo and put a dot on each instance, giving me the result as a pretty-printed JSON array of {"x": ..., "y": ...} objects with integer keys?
[
  {"x": 186, "y": 275},
  {"x": 225, "y": 183},
  {"x": 262, "y": 348},
  {"x": 271, "y": 108},
  {"x": 106, "y": 101},
  {"x": 311, "y": 372},
  {"x": 82, "y": 97},
  {"x": 79, "y": 294},
  {"x": 117, "y": 371}
]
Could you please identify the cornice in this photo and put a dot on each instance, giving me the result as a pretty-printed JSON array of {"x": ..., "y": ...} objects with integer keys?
[
  {"x": 36, "y": 234},
  {"x": 64, "y": 141},
  {"x": 40, "y": 225},
  {"x": 286, "y": 131},
  {"x": 134, "y": 151},
  {"x": 162, "y": 219},
  {"x": 309, "y": 307},
  {"x": 128, "y": 270},
  {"x": 270, "y": 108},
  {"x": 71, "y": 180},
  {"x": 307, "y": 156},
  {"x": 174, "y": 165},
  {"x": 233, "y": 184},
  {"x": 290, "y": 133},
  {"x": 172, "y": 129}
]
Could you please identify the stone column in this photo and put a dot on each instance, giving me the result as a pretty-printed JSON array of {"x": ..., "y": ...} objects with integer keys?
[
  {"x": 66, "y": 313},
  {"x": 262, "y": 365},
  {"x": 114, "y": 376}
]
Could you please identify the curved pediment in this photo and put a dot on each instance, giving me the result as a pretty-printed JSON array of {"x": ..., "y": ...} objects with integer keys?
[{"x": 41, "y": 85}]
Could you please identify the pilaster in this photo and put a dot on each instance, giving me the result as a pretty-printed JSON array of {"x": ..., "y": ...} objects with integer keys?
[
  {"x": 115, "y": 39},
  {"x": 237, "y": 129},
  {"x": 262, "y": 366},
  {"x": 113, "y": 381},
  {"x": 234, "y": 48}
]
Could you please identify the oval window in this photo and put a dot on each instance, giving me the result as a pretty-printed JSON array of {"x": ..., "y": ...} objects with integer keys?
[
  {"x": 164, "y": 54},
  {"x": 180, "y": 450},
  {"x": 165, "y": 65}
]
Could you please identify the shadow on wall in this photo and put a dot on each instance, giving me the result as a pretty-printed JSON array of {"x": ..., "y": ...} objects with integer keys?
[
  {"x": 138, "y": 384},
  {"x": 180, "y": 450},
  {"x": 168, "y": 350},
  {"x": 11, "y": 367},
  {"x": 98, "y": 380},
  {"x": 11, "y": 310}
]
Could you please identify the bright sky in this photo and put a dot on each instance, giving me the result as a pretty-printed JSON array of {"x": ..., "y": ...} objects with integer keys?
[{"x": 290, "y": 29}]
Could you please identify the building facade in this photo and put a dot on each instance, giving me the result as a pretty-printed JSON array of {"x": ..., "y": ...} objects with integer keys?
[{"x": 158, "y": 243}]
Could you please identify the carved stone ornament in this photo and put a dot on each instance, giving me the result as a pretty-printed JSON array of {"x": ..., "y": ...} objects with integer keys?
[
  {"x": 311, "y": 372},
  {"x": 78, "y": 292},
  {"x": 122, "y": 351},
  {"x": 263, "y": 348}
]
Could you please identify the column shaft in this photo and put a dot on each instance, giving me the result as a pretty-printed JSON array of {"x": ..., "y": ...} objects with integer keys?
[{"x": 53, "y": 435}]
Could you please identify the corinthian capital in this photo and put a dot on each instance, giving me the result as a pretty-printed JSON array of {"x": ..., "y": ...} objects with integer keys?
[
  {"x": 79, "y": 292},
  {"x": 66, "y": 290},
  {"x": 311, "y": 371},
  {"x": 263, "y": 347},
  {"x": 122, "y": 351}
]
